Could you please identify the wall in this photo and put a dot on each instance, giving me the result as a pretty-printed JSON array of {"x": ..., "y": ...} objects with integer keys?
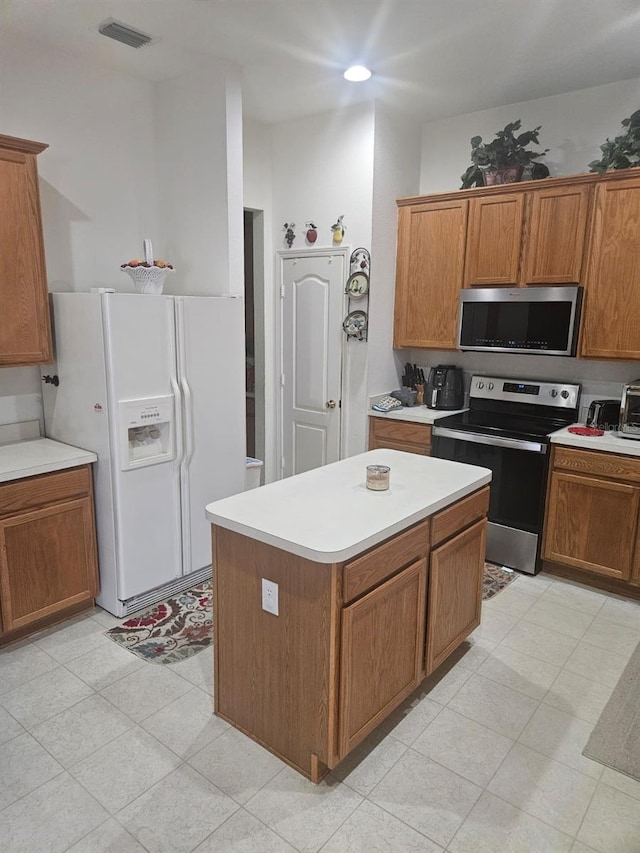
[
  {"x": 574, "y": 125},
  {"x": 395, "y": 174},
  {"x": 322, "y": 169},
  {"x": 198, "y": 120},
  {"x": 97, "y": 178}
]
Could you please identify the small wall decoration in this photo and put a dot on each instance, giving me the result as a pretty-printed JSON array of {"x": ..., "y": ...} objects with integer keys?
[
  {"x": 312, "y": 232},
  {"x": 360, "y": 259},
  {"x": 357, "y": 284},
  {"x": 289, "y": 233},
  {"x": 356, "y": 323},
  {"x": 338, "y": 231}
]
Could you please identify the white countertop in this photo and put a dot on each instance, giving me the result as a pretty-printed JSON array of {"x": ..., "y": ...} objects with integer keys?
[
  {"x": 415, "y": 414},
  {"x": 328, "y": 515},
  {"x": 39, "y": 456},
  {"x": 610, "y": 442}
]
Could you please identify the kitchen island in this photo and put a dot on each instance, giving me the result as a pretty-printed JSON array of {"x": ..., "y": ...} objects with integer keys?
[{"x": 333, "y": 602}]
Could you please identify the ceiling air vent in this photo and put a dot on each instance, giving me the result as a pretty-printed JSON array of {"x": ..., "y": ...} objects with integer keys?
[{"x": 123, "y": 33}]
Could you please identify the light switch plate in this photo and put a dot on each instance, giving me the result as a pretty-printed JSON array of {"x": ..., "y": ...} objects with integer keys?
[{"x": 270, "y": 596}]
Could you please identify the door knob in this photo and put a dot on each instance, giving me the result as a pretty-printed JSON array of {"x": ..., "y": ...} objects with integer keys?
[{"x": 331, "y": 404}]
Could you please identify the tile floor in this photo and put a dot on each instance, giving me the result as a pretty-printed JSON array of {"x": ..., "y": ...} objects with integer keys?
[{"x": 100, "y": 751}]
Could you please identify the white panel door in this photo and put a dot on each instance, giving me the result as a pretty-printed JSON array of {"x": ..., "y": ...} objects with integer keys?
[
  {"x": 210, "y": 344},
  {"x": 313, "y": 308},
  {"x": 141, "y": 362}
]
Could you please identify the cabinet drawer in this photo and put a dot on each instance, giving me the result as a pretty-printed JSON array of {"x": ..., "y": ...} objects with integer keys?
[
  {"x": 401, "y": 431},
  {"x": 601, "y": 464},
  {"x": 447, "y": 522},
  {"x": 382, "y": 561},
  {"x": 32, "y": 492}
]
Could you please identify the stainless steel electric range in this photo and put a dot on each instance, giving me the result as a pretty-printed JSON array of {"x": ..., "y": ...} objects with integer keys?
[{"x": 507, "y": 429}]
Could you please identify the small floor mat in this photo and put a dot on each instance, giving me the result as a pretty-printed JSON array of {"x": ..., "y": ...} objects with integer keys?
[
  {"x": 171, "y": 630},
  {"x": 496, "y": 578},
  {"x": 615, "y": 739}
]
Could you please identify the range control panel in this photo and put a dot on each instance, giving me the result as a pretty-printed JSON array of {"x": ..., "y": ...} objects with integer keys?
[{"x": 559, "y": 394}]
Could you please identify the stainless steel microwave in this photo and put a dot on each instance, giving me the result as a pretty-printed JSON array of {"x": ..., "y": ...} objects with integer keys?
[
  {"x": 630, "y": 411},
  {"x": 532, "y": 320}
]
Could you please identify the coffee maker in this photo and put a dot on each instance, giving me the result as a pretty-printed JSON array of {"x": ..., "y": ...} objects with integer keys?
[{"x": 445, "y": 387}]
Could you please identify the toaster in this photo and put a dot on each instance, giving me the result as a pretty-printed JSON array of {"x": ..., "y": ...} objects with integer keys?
[{"x": 604, "y": 414}]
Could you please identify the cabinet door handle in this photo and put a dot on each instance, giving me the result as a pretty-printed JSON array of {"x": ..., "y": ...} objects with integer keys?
[{"x": 331, "y": 404}]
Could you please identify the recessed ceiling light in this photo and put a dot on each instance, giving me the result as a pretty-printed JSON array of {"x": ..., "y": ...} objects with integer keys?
[{"x": 357, "y": 74}]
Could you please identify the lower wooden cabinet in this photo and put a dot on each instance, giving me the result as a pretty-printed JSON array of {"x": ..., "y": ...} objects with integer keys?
[
  {"x": 455, "y": 593},
  {"x": 381, "y": 653},
  {"x": 400, "y": 435},
  {"x": 593, "y": 514},
  {"x": 48, "y": 561}
]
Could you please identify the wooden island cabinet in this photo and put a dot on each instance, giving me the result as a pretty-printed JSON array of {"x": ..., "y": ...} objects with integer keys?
[
  {"x": 357, "y": 629},
  {"x": 25, "y": 327}
]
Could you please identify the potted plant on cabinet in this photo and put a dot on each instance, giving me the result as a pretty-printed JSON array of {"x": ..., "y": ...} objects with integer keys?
[
  {"x": 623, "y": 151},
  {"x": 505, "y": 158}
]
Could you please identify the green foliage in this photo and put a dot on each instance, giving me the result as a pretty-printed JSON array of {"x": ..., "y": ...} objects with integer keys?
[
  {"x": 506, "y": 149},
  {"x": 623, "y": 151}
]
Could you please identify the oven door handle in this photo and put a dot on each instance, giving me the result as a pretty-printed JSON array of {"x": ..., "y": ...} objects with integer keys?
[{"x": 493, "y": 441}]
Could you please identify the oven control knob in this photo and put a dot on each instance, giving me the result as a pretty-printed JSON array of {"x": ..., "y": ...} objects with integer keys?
[
  {"x": 490, "y": 386},
  {"x": 554, "y": 392},
  {"x": 480, "y": 385},
  {"x": 564, "y": 394}
]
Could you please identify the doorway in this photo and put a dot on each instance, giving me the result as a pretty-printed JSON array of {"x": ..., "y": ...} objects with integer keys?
[{"x": 254, "y": 332}]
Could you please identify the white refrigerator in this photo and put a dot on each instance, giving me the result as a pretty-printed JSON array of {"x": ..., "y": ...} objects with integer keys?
[{"x": 155, "y": 386}]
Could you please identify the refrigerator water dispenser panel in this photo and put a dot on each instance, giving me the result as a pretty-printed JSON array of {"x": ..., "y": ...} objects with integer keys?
[{"x": 146, "y": 432}]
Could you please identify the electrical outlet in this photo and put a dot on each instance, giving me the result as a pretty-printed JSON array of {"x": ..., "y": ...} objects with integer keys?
[{"x": 270, "y": 596}]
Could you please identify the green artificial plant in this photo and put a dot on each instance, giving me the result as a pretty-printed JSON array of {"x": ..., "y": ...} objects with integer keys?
[
  {"x": 505, "y": 150},
  {"x": 623, "y": 151}
]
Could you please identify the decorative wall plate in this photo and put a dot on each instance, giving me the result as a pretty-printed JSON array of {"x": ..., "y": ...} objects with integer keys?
[
  {"x": 357, "y": 285},
  {"x": 355, "y": 325}
]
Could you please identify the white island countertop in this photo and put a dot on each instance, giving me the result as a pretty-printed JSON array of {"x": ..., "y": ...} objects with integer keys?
[
  {"x": 39, "y": 456},
  {"x": 328, "y": 515}
]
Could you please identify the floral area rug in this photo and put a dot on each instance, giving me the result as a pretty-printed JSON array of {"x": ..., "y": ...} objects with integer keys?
[
  {"x": 170, "y": 631},
  {"x": 180, "y": 627},
  {"x": 496, "y": 578}
]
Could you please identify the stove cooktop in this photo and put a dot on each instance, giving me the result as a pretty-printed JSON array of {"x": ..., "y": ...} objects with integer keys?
[
  {"x": 516, "y": 408},
  {"x": 504, "y": 425}
]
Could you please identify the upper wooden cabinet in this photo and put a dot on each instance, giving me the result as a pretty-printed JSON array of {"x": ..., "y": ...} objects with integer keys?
[
  {"x": 430, "y": 264},
  {"x": 554, "y": 241},
  {"x": 25, "y": 332},
  {"x": 516, "y": 235},
  {"x": 494, "y": 238},
  {"x": 611, "y": 326},
  {"x": 527, "y": 236}
]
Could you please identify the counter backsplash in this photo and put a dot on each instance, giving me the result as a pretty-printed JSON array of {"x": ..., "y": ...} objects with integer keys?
[{"x": 599, "y": 379}]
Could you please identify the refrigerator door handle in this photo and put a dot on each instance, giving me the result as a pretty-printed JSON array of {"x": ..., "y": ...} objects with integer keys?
[
  {"x": 177, "y": 420},
  {"x": 186, "y": 413}
]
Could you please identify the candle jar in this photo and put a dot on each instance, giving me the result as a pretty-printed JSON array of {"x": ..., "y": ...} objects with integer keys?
[{"x": 378, "y": 477}]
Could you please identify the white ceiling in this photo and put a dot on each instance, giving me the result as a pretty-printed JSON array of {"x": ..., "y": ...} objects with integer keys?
[{"x": 434, "y": 58}]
